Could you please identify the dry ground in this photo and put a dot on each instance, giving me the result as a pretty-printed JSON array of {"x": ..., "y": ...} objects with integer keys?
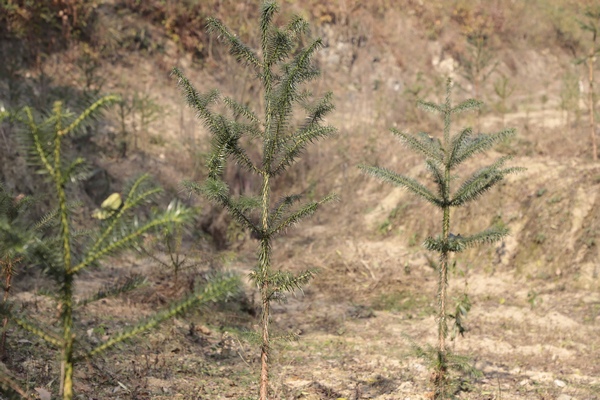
[{"x": 533, "y": 327}]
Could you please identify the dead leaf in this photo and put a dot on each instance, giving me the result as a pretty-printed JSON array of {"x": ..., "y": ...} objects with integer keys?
[{"x": 44, "y": 394}]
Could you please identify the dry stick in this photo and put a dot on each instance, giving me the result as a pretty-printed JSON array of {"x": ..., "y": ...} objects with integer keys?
[{"x": 9, "y": 272}]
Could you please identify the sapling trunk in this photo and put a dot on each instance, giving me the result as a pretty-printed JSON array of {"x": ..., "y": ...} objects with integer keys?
[
  {"x": 264, "y": 268},
  {"x": 591, "y": 105}
]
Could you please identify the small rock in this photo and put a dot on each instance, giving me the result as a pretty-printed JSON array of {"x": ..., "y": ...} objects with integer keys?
[
  {"x": 524, "y": 382},
  {"x": 564, "y": 397},
  {"x": 560, "y": 383}
]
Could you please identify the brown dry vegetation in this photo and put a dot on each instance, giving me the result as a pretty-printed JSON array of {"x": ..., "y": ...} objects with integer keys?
[{"x": 533, "y": 328}]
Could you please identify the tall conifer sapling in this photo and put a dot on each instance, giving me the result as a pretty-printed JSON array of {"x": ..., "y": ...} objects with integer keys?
[
  {"x": 282, "y": 66},
  {"x": 442, "y": 159}
]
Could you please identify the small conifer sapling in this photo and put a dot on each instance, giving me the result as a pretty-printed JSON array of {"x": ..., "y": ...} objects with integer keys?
[
  {"x": 443, "y": 157},
  {"x": 281, "y": 66}
]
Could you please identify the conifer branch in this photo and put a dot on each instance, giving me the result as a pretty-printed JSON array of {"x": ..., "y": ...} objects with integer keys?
[
  {"x": 453, "y": 244},
  {"x": 424, "y": 144},
  {"x": 132, "y": 200},
  {"x": 438, "y": 177},
  {"x": 217, "y": 191},
  {"x": 40, "y": 151},
  {"x": 298, "y": 142},
  {"x": 280, "y": 46},
  {"x": 89, "y": 112},
  {"x": 402, "y": 181},
  {"x": 240, "y": 109},
  {"x": 318, "y": 111},
  {"x": 467, "y": 105},
  {"x": 430, "y": 107},
  {"x": 268, "y": 10},
  {"x": 241, "y": 157},
  {"x": 481, "y": 181},
  {"x": 214, "y": 291},
  {"x": 46, "y": 220},
  {"x": 195, "y": 100},
  {"x": 37, "y": 331},
  {"x": 489, "y": 236},
  {"x": 77, "y": 170},
  {"x": 470, "y": 145},
  {"x": 297, "y": 26},
  {"x": 126, "y": 238},
  {"x": 305, "y": 211},
  {"x": 239, "y": 50},
  {"x": 283, "y": 281},
  {"x": 282, "y": 206},
  {"x": 457, "y": 143}
]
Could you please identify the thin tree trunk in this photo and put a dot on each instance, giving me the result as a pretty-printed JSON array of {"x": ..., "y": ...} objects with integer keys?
[
  {"x": 440, "y": 378},
  {"x": 68, "y": 338},
  {"x": 264, "y": 351},
  {"x": 591, "y": 102},
  {"x": 265, "y": 264}
]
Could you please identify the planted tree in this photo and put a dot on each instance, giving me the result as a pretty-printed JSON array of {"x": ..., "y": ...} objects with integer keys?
[
  {"x": 503, "y": 90},
  {"x": 65, "y": 252},
  {"x": 443, "y": 157},
  {"x": 569, "y": 97},
  {"x": 592, "y": 25},
  {"x": 282, "y": 66},
  {"x": 479, "y": 64}
]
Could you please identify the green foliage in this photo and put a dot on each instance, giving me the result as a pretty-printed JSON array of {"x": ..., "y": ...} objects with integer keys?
[
  {"x": 64, "y": 252},
  {"x": 135, "y": 114},
  {"x": 451, "y": 373},
  {"x": 282, "y": 67},
  {"x": 165, "y": 249},
  {"x": 503, "y": 90},
  {"x": 479, "y": 63},
  {"x": 443, "y": 157},
  {"x": 570, "y": 96}
]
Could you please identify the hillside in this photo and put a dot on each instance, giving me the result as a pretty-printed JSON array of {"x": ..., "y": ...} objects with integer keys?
[{"x": 536, "y": 295}]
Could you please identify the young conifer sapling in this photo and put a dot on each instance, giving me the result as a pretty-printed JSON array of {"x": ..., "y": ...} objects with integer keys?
[
  {"x": 282, "y": 66},
  {"x": 443, "y": 157},
  {"x": 64, "y": 252}
]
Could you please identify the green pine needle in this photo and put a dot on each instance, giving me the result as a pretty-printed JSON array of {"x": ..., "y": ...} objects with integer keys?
[{"x": 395, "y": 179}]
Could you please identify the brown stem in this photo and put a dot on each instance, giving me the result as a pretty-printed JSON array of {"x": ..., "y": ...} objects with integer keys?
[
  {"x": 591, "y": 101},
  {"x": 8, "y": 272},
  {"x": 264, "y": 351}
]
